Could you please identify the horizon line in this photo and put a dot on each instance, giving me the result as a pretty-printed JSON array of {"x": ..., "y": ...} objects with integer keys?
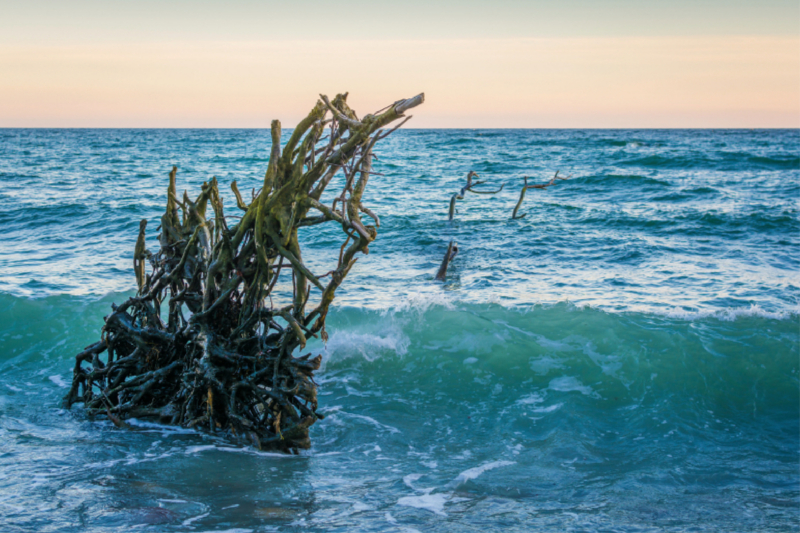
[{"x": 733, "y": 128}]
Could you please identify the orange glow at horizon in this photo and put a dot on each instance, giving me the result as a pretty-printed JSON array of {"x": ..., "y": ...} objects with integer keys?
[{"x": 720, "y": 81}]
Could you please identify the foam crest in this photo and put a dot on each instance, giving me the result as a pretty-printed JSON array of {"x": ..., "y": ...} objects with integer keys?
[
  {"x": 430, "y": 502},
  {"x": 435, "y": 501},
  {"x": 369, "y": 420},
  {"x": 421, "y": 302},
  {"x": 344, "y": 344},
  {"x": 234, "y": 530},
  {"x": 473, "y": 473},
  {"x": 732, "y": 314},
  {"x": 572, "y": 384},
  {"x": 191, "y": 450}
]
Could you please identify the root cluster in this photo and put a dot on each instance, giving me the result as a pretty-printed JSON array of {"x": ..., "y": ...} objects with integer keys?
[{"x": 203, "y": 343}]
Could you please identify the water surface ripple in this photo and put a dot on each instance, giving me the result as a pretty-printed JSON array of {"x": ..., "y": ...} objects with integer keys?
[{"x": 624, "y": 358}]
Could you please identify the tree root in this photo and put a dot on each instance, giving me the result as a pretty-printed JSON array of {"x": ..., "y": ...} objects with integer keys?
[{"x": 222, "y": 359}]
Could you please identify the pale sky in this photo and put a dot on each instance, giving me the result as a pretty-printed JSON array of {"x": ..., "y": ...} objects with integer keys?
[{"x": 506, "y": 63}]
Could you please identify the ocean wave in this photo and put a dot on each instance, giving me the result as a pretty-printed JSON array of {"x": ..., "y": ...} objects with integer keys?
[
  {"x": 538, "y": 362},
  {"x": 690, "y": 194},
  {"x": 691, "y": 221},
  {"x": 721, "y": 161},
  {"x": 757, "y": 221},
  {"x": 70, "y": 212},
  {"x": 732, "y": 314},
  {"x": 621, "y": 180},
  {"x": 436, "y": 407}
]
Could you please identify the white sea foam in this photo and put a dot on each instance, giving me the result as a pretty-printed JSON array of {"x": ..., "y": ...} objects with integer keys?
[
  {"x": 344, "y": 344},
  {"x": 473, "y": 473},
  {"x": 549, "y": 409},
  {"x": 530, "y": 399},
  {"x": 188, "y": 521},
  {"x": 466, "y": 454},
  {"x": 213, "y": 447},
  {"x": 324, "y": 454},
  {"x": 153, "y": 427},
  {"x": 733, "y": 313},
  {"x": 375, "y": 449},
  {"x": 372, "y": 421},
  {"x": 610, "y": 364},
  {"x": 411, "y": 478},
  {"x": 430, "y": 502},
  {"x": 543, "y": 365},
  {"x": 234, "y": 530},
  {"x": 570, "y": 384},
  {"x": 58, "y": 380},
  {"x": 387, "y": 335},
  {"x": 548, "y": 344},
  {"x": 361, "y": 506},
  {"x": 726, "y": 314},
  {"x": 16, "y": 508},
  {"x": 421, "y": 302},
  {"x": 131, "y": 459}
]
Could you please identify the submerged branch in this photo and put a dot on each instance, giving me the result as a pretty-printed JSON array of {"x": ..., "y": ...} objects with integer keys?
[
  {"x": 450, "y": 254},
  {"x": 525, "y": 187},
  {"x": 469, "y": 187}
]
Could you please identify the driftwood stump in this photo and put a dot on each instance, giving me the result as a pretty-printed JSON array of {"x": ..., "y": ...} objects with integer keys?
[
  {"x": 222, "y": 357},
  {"x": 449, "y": 255}
]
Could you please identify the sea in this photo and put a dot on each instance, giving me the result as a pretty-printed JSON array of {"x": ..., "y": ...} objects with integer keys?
[{"x": 623, "y": 358}]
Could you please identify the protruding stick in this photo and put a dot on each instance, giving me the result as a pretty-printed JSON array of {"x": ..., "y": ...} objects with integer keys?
[
  {"x": 139, "y": 255},
  {"x": 519, "y": 202},
  {"x": 239, "y": 200},
  {"x": 525, "y": 187},
  {"x": 452, "y": 251},
  {"x": 452, "y": 211},
  {"x": 338, "y": 114},
  {"x": 408, "y": 103},
  {"x": 468, "y": 187}
]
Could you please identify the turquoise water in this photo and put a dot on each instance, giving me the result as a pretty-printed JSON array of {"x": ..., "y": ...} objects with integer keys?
[{"x": 624, "y": 358}]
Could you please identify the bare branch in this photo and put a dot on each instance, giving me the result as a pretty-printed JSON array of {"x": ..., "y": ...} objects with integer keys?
[
  {"x": 525, "y": 187},
  {"x": 469, "y": 187}
]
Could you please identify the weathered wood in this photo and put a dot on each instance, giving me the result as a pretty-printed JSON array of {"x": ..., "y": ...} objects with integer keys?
[
  {"x": 139, "y": 255},
  {"x": 525, "y": 187},
  {"x": 452, "y": 251},
  {"x": 230, "y": 365},
  {"x": 468, "y": 187}
]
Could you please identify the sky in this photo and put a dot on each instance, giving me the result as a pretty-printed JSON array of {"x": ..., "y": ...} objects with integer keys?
[{"x": 481, "y": 64}]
